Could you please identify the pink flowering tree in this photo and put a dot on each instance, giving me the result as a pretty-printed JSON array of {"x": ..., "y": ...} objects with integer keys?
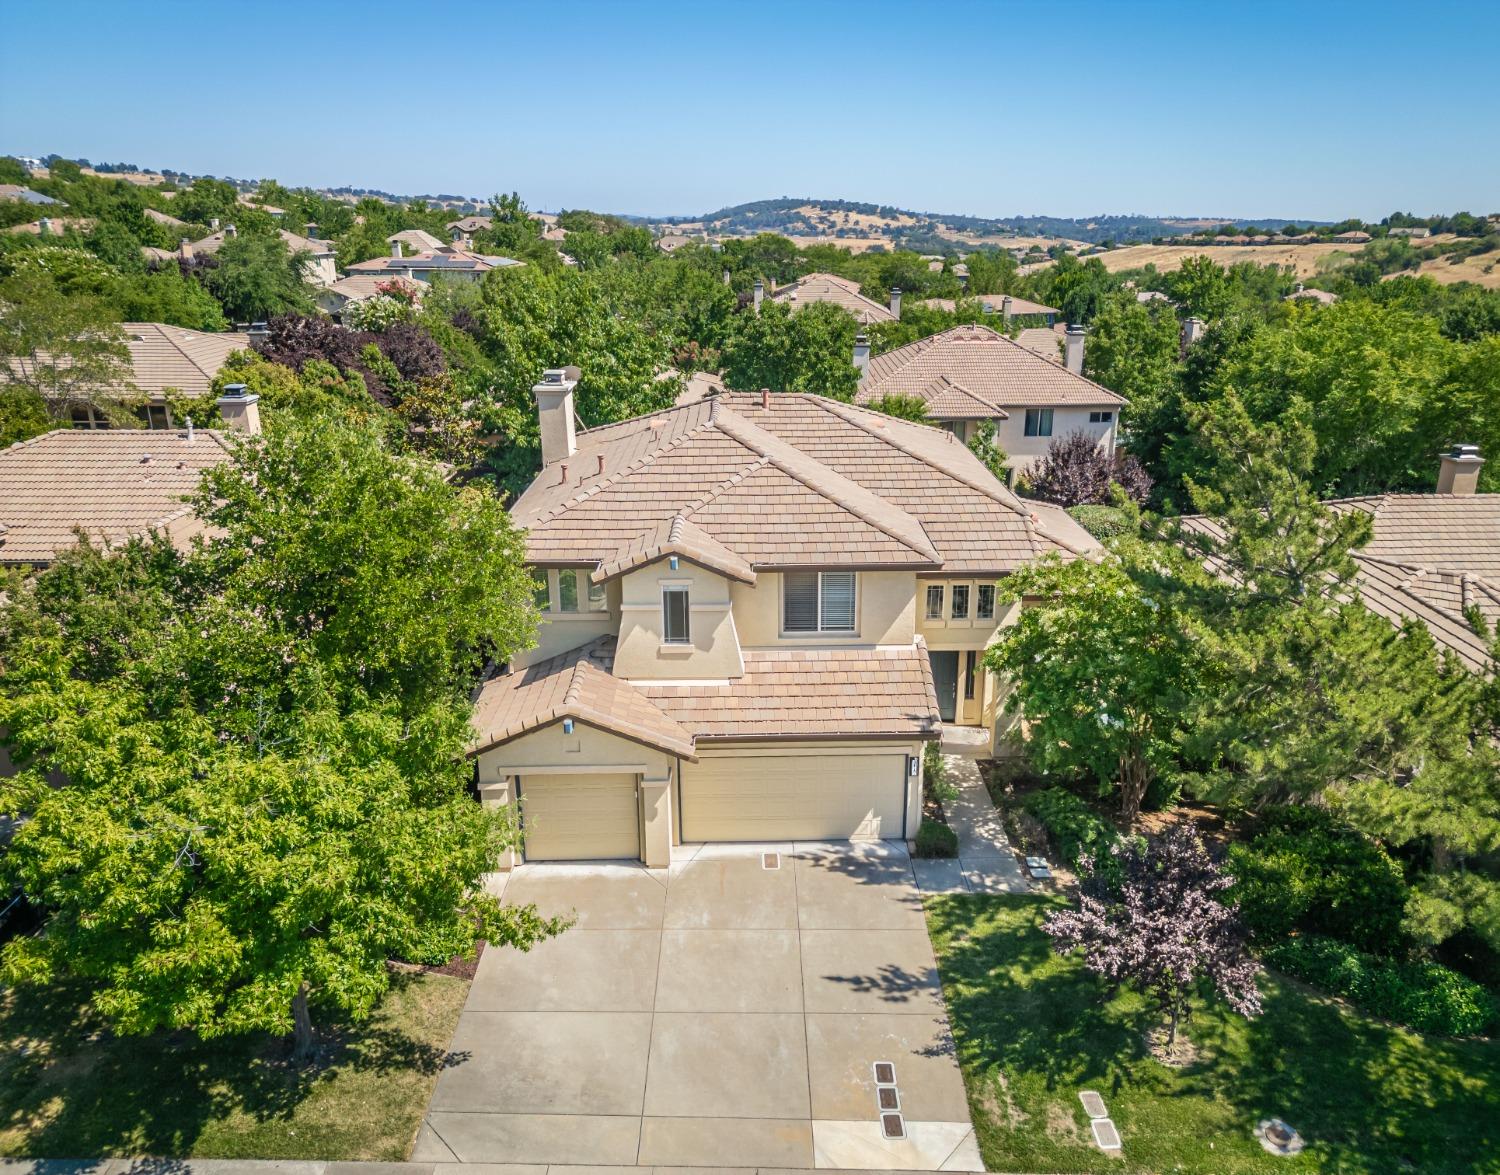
[{"x": 1154, "y": 921}]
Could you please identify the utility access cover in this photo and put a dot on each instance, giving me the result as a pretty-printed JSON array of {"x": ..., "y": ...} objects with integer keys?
[
  {"x": 1093, "y": 1104},
  {"x": 1105, "y": 1134}
]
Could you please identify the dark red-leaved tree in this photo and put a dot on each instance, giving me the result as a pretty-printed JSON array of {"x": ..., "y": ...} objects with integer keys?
[
  {"x": 1154, "y": 921},
  {"x": 1076, "y": 472},
  {"x": 295, "y": 339}
]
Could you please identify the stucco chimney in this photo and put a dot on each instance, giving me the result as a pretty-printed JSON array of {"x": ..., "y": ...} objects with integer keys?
[
  {"x": 726, "y": 277},
  {"x": 185, "y": 249},
  {"x": 1192, "y": 331},
  {"x": 396, "y": 250},
  {"x": 1458, "y": 471},
  {"x": 214, "y": 224},
  {"x": 1005, "y": 304},
  {"x": 44, "y": 226},
  {"x": 896, "y": 301},
  {"x": 240, "y": 409},
  {"x": 862, "y": 351},
  {"x": 230, "y": 231},
  {"x": 760, "y": 293},
  {"x": 1073, "y": 349},
  {"x": 259, "y": 335},
  {"x": 554, "y": 410}
]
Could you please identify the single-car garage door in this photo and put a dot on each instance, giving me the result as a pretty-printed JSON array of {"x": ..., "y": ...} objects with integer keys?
[
  {"x": 579, "y": 817},
  {"x": 825, "y": 795}
]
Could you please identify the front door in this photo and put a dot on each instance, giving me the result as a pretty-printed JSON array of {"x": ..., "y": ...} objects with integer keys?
[{"x": 945, "y": 682}]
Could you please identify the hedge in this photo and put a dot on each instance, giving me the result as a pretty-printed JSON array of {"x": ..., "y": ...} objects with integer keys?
[
  {"x": 1076, "y": 830},
  {"x": 1422, "y": 995},
  {"x": 936, "y": 840}
]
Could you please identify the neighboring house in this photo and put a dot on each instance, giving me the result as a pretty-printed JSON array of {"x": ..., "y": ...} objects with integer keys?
[
  {"x": 163, "y": 219},
  {"x": 1046, "y": 341},
  {"x": 969, "y": 374},
  {"x": 462, "y": 231},
  {"x": 112, "y": 486},
  {"x": 49, "y": 226},
  {"x": 1352, "y": 238},
  {"x": 318, "y": 265},
  {"x": 25, "y": 195},
  {"x": 1433, "y": 558},
  {"x": 164, "y": 361},
  {"x": 757, "y": 610},
  {"x": 671, "y": 242},
  {"x": 841, "y": 291},
  {"x": 1419, "y": 233},
  {"x": 418, "y": 240},
  {"x": 1005, "y": 305},
  {"x": 446, "y": 262},
  {"x": 360, "y": 287},
  {"x": 1323, "y": 296},
  {"x": 698, "y": 386}
]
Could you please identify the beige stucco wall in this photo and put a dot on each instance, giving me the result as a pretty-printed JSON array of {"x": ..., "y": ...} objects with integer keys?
[
  {"x": 986, "y": 707},
  {"x": 1024, "y": 450},
  {"x": 883, "y": 612},
  {"x": 712, "y": 653}
]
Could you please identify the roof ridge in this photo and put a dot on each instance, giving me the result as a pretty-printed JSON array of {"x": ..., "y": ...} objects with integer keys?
[{"x": 768, "y": 444}]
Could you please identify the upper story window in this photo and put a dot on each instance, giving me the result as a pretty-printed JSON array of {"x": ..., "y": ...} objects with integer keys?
[
  {"x": 1039, "y": 422},
  {"x": 87, "y": 416},
  {"x": 985, "y": 610},
  {"x": 960, "y": 601},
  {"x": 934, "y": 601},
  {"x": 674, "y": 616},
  {"x": 567, "y": 591},
  {"x": 1101, "y": 417},
  {"x": 817, "y": 601},
  {"x": 157, "y": 416}
]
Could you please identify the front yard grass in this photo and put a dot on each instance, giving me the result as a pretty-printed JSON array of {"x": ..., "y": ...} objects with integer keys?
[
  {"x": 1032, "y": 1030},
  {"x": 71, "y": 1089}
]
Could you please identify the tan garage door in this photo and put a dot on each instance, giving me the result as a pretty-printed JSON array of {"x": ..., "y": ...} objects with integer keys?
[
  {"x": 825, "y": 795},
  {"x": 579, "y": 817}
]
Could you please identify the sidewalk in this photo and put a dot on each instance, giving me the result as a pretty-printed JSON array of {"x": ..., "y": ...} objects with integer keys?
[{"x": 985, "y": 861}]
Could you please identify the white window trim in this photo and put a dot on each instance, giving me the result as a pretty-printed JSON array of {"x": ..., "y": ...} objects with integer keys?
[
  {"x": 686, "y": 640},
  {"x": 820, "y": 631},
  {"x": 585, "y": 610}
]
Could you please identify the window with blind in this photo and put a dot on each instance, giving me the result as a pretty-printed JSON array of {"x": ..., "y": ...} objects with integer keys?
[
  {"x": 817, "y": 601},
  {"x": 674, "y": 616}
]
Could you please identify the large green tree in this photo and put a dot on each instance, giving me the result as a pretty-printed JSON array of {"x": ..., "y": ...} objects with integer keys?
[
  {"x": 257, "y": 277},
  {"x": 261, "y": 742},
  {"x": 786, "y": 350}
]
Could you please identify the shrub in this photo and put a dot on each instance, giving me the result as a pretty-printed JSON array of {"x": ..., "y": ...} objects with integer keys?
[
  {"x": 936, "y": 840},
  {"x": 1077, "y": 832},
  {"x": 1422, "y": 995},
  {"x": 1305, "y": 870},
  {"x": 935, "y": 774},
  {"x": 1103, "y": 522}
]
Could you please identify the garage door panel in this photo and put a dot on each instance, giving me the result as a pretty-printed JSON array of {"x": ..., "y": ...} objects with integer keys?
[
  {"x": 579, "y": 817},
  {"x": 814, "y": 796}
]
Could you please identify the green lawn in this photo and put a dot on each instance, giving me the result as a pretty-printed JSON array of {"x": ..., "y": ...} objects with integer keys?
[
  {"x": 69, "y": 1089},
  {"x": 1032, "y": 1030}
]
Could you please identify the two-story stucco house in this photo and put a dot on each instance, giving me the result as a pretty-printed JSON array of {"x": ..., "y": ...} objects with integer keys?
[
  {"x": 969, "y": 374},
  {"x": 757, "y": 610}
]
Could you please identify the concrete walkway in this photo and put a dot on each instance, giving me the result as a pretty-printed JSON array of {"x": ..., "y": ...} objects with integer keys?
[{"x": 985, "y": 861}]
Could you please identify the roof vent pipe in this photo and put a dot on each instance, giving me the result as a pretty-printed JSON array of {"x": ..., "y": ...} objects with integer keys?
[{"x": 765, "y": 399}]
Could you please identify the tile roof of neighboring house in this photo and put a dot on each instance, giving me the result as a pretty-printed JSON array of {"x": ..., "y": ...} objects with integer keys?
[
  {"x": 1324, "y": 296},
  {"x": 294, "y": 243},
  {"x": 1045, "y": 341},
  {"x": 112, "y": 484},
  {"x": 360, "y": 286},
  {"x": 698, "y": 386},
  {"x": 993, "y": 303},
  {"x": 470, "y": 224},
  {"x": 804, "y": 482},
  {"x": 446, "y": 258},
  {"x": 417, "y": 238},
  {"x": 577, "y": 684},
  {"x": 828, "y": 287},
  {"x": 783, "y": 693},
  {"x": 671, "y": 242},
  {"x": 166, "y": 357},
  {"x": 1431, "y": 557},
  {"x": 55, "y": 225},
  {"x": 988, "y": 366},
  {"x": 26, "y": 195},
  {"x": 163, "y": 218}
]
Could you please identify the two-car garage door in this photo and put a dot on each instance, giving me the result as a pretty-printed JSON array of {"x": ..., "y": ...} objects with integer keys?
[{"x": 822, "y": 795}]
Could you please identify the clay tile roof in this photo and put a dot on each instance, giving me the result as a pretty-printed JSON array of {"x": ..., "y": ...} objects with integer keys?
[
  {"x": 112, "y": 484},
  {"x": 804, "y": 482},
  {"x": 577, "y": 684},
  {"x": 445, "y": 258},
  {"x": 828, "y": 287},
  {"x": 358, "y": 287},
  {"x": 825, "y": 693},
  {"x": 677, "y": 536},
  {"x": 988, "y": 365},
  {"x": 417, "y": 238},
  {"x": 163, "y": 218},
  {"x": 947, "y": 400},
  {"x": 172, "y": 358},
  {"x": 294, "y": 243},
  {"x": 1045, "y": 341}
]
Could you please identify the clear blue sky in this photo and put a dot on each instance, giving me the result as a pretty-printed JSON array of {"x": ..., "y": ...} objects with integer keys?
[{"x": 1321, "y": 110}]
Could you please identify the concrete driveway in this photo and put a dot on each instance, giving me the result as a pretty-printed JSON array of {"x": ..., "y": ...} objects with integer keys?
[{"x": 718, "y": 1014}]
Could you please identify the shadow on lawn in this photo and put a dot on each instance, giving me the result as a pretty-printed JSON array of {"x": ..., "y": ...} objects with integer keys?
[
  {"x": 78, "y": 1090},
  {"x": 1053, "y": 1022},
  {"x": 1369, "y": 1097}
]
